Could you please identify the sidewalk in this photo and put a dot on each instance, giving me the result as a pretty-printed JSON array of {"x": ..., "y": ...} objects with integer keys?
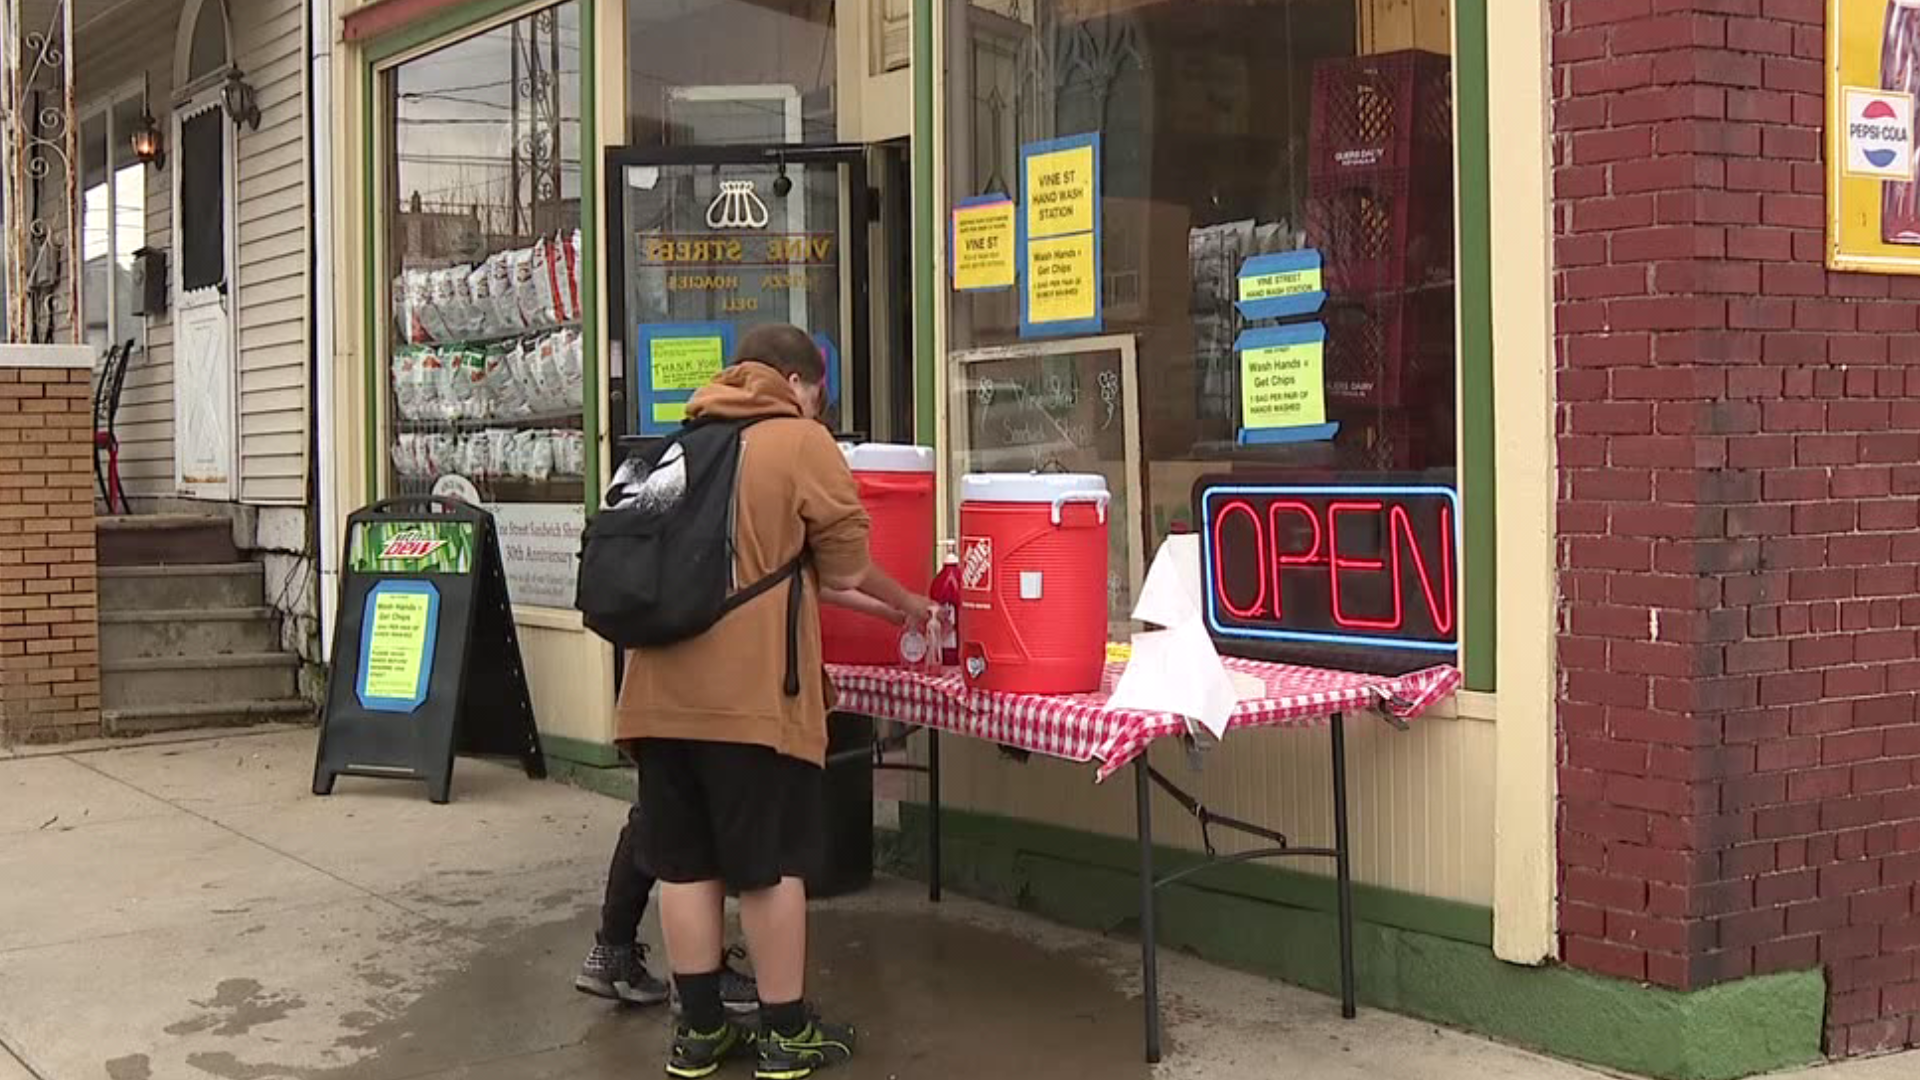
[{"x": 188, "y": 910}]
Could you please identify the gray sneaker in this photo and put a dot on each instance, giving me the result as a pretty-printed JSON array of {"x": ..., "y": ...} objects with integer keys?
[
  {"x": 619, "y": 973},
  {"x": 739, "y": 993}
]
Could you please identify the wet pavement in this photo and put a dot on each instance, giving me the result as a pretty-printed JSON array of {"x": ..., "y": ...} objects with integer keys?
[{"x": 188, "y": 911}]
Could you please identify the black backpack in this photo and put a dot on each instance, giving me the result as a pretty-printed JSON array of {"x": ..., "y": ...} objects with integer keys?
[{"x": 656, "y": 563}]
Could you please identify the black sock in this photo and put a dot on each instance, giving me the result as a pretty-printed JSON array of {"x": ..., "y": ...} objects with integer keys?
[
  {"x": 700, "y": 1001},
  {"x": 786, "y": 1019}
]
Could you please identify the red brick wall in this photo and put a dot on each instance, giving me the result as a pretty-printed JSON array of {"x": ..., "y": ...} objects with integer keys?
[
  {"x": 1739, "y": 533},
  {"x": 49, "y": 638}
]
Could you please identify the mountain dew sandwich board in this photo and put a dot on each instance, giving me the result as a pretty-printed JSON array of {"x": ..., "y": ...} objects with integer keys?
[{"x": 426, "y": 661}]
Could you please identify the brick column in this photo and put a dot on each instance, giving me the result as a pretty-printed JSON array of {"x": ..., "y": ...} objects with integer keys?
[
  {"x": 1739, "y": 535},
  {"x": 49, "y": 635}
]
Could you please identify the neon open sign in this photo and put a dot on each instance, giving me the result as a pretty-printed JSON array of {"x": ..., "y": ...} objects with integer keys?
[{"x": 1350, "y": 566}]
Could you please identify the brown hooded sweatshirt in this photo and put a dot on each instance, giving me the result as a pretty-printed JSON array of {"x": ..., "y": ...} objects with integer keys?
[{"x": 794, "y": 491}]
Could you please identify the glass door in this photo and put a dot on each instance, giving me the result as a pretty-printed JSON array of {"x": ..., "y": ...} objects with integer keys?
[{"x": 706, "y": 243}]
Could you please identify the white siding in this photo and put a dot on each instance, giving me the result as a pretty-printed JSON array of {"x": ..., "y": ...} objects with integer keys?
[
  {"x": 275, "y": 362},
  {"x": 271, "y": 326}
]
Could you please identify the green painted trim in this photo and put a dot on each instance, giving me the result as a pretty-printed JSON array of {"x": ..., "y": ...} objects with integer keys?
[
  {"x": 590, "y": 202},
  {"x": 1734, "y": 1030},
  {"x": 441, "y": 24},
  {"x": 447, "y": 24},
  {"x": 926, "y": 290},
  {"x": 371, "y": 262},
  {"x": 619, "y": 784},
  {"x": 1266, "y": 883},
  {"x": 593, "y": 755},
  {"x": 1476, "y": 410}
]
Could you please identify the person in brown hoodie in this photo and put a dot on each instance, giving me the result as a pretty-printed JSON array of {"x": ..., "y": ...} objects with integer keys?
[{"x": 731, "y": 765}]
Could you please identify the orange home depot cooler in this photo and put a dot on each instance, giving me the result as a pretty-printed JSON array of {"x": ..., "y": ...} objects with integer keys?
[
  {"x": 1033, "y": 581},
  {"x": 896, "y": 487}
]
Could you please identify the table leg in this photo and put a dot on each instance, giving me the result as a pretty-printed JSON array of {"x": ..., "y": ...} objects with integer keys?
[
  {"x": 1343, "y": 866},
  {"x": 933, "y": 815},
  {"x": 1149, "y": 944}
]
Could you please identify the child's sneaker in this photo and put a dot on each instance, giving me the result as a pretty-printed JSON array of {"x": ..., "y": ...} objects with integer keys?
[
  {"x": 696, "y": 1055},
  {"x": 619, "y": 973},
  {"x": 739, "y": 993},
  {"x": 796, "y": 1057}
]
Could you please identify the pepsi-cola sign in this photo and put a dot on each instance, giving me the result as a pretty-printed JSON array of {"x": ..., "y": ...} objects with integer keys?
[
  {"x": 1879, "y": 134},
  {"x": 1353, "y": 567}
]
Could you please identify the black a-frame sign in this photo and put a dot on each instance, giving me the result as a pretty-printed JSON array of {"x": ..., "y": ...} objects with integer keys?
[{"x": 426, "y": 662}]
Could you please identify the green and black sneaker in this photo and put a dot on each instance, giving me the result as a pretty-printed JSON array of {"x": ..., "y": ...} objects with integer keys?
[
  {"x": 697, "y": 1054},
  {"x": 795, "y": 1057}
]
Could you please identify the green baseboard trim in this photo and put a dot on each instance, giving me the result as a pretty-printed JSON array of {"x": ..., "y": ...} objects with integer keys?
[
  {"x": 575, "y": 762},
  {"x": 1413, "y": 955},
  {"x": 597, "y": 755}
]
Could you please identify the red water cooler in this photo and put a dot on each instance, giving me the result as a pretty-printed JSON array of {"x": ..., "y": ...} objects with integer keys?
[
  {"x": 1033, "y": 581},
  {"x": 897, "y": 489}
]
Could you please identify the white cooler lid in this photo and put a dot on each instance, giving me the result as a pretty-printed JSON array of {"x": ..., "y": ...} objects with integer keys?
[
  {"x": 1042, "y": 488},
  {"x": 888, "y": 457}
]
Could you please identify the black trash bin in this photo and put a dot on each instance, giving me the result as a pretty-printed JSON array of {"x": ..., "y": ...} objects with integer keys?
[{"x": 846, "y": 863}]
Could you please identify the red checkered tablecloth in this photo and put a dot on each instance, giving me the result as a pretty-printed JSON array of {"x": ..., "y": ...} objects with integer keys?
[{"x": 1079, "y": 728}]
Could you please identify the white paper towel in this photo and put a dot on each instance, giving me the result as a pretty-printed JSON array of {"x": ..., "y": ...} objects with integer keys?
[{"x": 1175, "y": 669}]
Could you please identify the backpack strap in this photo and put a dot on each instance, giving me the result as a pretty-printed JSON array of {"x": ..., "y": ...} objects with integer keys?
[{"x": 794, "y": 575}]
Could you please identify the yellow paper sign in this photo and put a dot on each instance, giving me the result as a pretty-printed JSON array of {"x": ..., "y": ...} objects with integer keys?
[
  {"x": 1060, "y": 193},
  {"x": 983, "y": 246},
  {"x": 1061, "y": 283},
  {"x": 1279, "y": 285},
  {"x": 1283, "y": 386},
  {"x": 396, "y": 645},
  {"x": 669, "y": 412},
  {"x": 685, "y": 363}
]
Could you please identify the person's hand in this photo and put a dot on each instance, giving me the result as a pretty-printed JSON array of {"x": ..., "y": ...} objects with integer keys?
[{"x": 918, "y": 611}]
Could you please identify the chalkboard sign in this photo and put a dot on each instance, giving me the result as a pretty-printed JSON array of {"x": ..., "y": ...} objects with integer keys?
[
  {"x": 426, "y": 661},
  {"x": 1060, "y": 406}
]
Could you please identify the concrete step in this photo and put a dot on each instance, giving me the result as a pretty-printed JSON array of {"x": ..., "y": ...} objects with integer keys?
[
  {"x": 135, "y": 635},
  {"x": 164, "y": 540},
  {"x": 198, "y": 680},
  {"x": 156, "y": 719},
  {"x": 158, "y": 588}
]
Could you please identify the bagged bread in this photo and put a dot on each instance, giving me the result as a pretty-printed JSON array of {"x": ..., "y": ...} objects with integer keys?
[
  {"x": 453, "y": 302},
  {"x": 466, "y": 372},
  {"x": 568, "y": 363},
  {"x": 569, "y": 243},
  {"x": 440, "y": 452},
  {"x": 405, "y": 373},
  {"x": 506, "y": 398},
  {"x": 569, "y": 453},
  {"x": 506, "y": 305},
  {"x": 532, "y": 455},
  {"x": 486, "y": 320},
  {"x": 543, "y": 363},
  {"x": 530, "y": 287}
]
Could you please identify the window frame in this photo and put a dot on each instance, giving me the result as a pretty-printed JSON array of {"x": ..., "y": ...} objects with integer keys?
[
  {"x": 103, "y": 107},
  {"x": 378, "y": 60}
]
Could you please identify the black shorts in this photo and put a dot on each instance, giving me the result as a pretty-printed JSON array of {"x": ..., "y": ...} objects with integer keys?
[{"x": 713, "y": 811}]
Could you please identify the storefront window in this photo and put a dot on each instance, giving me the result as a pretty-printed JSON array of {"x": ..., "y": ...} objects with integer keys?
[
  {"x": 720, "y": 72},
  {"x": 1222, "y": 223},
  {"x": 486, "y": 363}
]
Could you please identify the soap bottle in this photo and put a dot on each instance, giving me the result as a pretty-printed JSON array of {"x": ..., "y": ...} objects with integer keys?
[{"x": 945, "y": 593}]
